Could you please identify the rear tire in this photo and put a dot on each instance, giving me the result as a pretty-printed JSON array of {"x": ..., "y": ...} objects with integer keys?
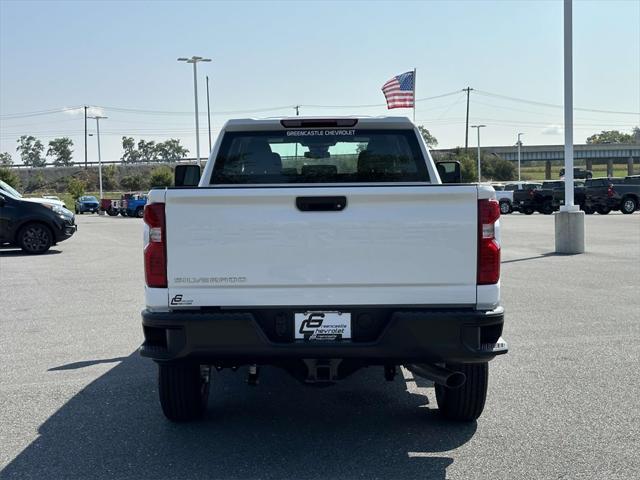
[
  {"x": 527, "y": 211},
  {"x": 140, "y": 212},
  {"x": 466, "y": 403},
  {"x": 629, "y": 205},
  {"x": 35, "y": 238},
  {"x": 547, "y": 208},
  {"x": 112, "y": 213},
  {"x": 505, "y": 208},
  {"x": 587, "y": 210},
  {"x": 183, "y": 391},
  {"x": 603, "y": 210}
]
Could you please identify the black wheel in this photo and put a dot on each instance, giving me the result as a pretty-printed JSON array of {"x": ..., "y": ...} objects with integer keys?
[
  {"x": 466, "y": 403},
  {"x": 505, "y": 208},
  {"x": 629, "y": 205},
  {"x": 547, "y": 208},
  {"x": 140, "y": 212},
  {"x": 112, "y": 213},
  {"x": 527, "y": 211},
  {"x": 183, "y": 390},
  {"x": 587, "y": 210},
  {"x": 603, "y": 210},
  {"x": 77, "y": 212},
  {"x": 35, "y": 238}
]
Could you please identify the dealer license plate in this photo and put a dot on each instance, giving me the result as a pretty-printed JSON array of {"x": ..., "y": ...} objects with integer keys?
[{"x": 318, "y": 326}]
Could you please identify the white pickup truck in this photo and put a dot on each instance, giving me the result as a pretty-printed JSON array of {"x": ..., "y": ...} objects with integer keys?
[{"x": 322, "y": 246}]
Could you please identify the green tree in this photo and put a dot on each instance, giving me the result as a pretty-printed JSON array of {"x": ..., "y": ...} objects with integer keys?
[
  {"x": 429, "y": 139},
  {"x": 133, "y": 182},
  {"x": 147, "y": 151},
  {"x": 636, "y": 134},
  {"x": 75, "y": 187},
  {"x": 610, "y": 136},
  {"x": 109, "y": 177},
  {"x": 130, "y": 155},
  {"x": 30, "y": 150},
  {"x": 497, "y": 168},
  {"x": 60, "y": 150},
  {"x": 171, "y": 150},
  {"x": 5, "y": 159},
  {"x": 10, "y": 176},
  {"x": 161, "y": 177}
]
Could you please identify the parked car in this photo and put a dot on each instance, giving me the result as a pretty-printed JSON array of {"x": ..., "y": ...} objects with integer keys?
[
  {"x": 5, "y": 187},
  {"x": 133, "y": 204},
  {"x": 504, "y": 197},
  {"x": 579, "y": 173},
  {"x": 111, "y": 206},
  {"x": 557, "y": 188},
  {"x": 598, "y": 196},
  {"x": 322, "y": 264},
  {"x": 523, "y": 196},
  {"x": 632, "y": 179},
  {"x": 626, "y": 195},
  {"x": 54, "y": 197},
  {"x": 87, "y": 203},
  {"x": 32, "y": 225}
]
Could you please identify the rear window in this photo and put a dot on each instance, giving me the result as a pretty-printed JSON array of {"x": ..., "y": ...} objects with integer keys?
[{"x": 319, "y": 156}]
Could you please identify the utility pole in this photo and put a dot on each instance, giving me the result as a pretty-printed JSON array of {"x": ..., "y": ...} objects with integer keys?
[
  {"x": 85, "y": 137},
  {"x": 98, "y": 118},
  {"x": 297, "y": 107},
  {"x": 194, "y": 60},
  {"x": 478, "y": 127},
  {"x": 466, "y": 131},
  {"x": 208, "y": 114}
]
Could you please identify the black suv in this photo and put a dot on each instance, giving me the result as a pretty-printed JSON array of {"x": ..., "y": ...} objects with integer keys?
[
  {"x": 579, "y": 173},
  {"x": 33, "y": 225}
]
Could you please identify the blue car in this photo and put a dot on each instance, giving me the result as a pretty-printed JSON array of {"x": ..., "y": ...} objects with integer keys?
[{"x": 87, "y": 204}]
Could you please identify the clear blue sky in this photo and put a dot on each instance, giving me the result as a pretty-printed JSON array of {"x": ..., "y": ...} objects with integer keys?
[{"x": 269, "y": 54}]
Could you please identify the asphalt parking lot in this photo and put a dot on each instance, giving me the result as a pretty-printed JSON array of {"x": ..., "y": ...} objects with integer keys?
[{"x": 78, "y": 402}]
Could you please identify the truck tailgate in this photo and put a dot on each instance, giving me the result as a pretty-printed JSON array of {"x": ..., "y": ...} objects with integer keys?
[{"x": 400, "y": 245}]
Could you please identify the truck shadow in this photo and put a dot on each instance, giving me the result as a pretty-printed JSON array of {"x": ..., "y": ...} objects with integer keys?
[
  {"x": 363, "y": 427},
  {"x": 17, "y": 252}
]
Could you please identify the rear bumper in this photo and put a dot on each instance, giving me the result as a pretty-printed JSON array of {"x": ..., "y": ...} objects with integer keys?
[{"x": 406, "y": 335}]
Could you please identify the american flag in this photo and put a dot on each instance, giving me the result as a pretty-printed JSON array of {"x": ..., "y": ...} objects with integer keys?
[{"x": 400, "y": 91}]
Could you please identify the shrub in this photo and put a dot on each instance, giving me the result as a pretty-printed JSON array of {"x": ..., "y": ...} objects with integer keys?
[
  {"x": 133, "y": 182},
  {"x": 76, "y": 187},
  {"x": 161, "y": 177},
  {"x": 9, "y": 176}
]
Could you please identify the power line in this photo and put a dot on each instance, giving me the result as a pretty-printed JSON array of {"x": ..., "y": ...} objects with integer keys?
[
  {"x": 551, "y": 105},
  {"x": 10, "y": 116}
]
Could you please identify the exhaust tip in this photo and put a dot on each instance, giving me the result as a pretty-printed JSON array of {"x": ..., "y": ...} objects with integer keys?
[{"x": 456, "y": 380}]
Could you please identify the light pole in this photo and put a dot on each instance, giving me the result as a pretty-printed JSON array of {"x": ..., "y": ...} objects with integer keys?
[
  {"x": 208, "y": 114},
  {"x": 569, "y": 221},
  {"x": 194, "y": 60},
  {"x": 519, "y": 144},
  {"x": 478, "y": 127},
  {"x": 98, "y": 118}
]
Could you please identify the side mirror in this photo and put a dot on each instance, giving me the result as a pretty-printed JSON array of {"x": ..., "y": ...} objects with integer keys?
[
  {"x": 449, "y": 172},
  {"x": 186, "y": 175}
]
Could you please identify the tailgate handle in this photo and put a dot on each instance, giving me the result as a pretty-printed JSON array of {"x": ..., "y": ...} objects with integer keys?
[{"x": 321, "y": 204}]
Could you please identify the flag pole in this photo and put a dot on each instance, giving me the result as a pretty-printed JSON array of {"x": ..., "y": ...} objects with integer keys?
[{"x": 414, "y": 95}]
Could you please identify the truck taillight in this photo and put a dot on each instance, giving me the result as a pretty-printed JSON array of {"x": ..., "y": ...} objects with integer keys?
[
  {"x": 610, "y": 191},
  {"x": 488, "y": 247},
  {"x": 155, "y": 253}
]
